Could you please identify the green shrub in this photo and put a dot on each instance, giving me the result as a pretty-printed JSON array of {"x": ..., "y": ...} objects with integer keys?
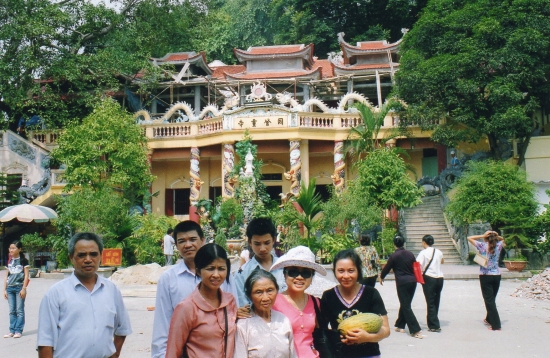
[
  {"x": 32, "y": 243},
  {"x": 144, "y": 246}
]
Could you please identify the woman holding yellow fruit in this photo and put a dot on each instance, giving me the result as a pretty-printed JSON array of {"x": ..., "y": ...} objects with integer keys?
[{"x": 350, "y": 298}]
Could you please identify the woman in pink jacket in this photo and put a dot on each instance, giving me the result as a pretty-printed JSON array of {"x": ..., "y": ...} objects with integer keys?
[{"x": 203, "y": 324}]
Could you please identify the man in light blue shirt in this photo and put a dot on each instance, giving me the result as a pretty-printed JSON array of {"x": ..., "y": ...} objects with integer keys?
[
  {"x": 83, "y": 315},
  {"x": 176, "y": 283},
  {"x": 261, "y": 234}
]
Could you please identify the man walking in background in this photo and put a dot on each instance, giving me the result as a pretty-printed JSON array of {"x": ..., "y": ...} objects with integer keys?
[{"x": 168, "y": 247}]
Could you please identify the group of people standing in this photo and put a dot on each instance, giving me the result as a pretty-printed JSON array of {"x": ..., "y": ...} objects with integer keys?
[{"x": 262, "y": 310}]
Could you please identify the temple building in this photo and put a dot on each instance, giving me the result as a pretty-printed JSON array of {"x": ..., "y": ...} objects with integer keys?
[{"x": 297, "y": 108}]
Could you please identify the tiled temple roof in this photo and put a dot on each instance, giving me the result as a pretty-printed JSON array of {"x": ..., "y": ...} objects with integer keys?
[
  {"x": 282, "y": 51},
  {"x": 179, "y": 58},
  {"x": 313, "y": 74},
  {"x": 221, "y": 72}
]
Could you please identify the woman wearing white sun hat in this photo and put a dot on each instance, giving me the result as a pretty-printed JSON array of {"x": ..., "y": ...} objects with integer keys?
[{"x": 299, "y": 266}]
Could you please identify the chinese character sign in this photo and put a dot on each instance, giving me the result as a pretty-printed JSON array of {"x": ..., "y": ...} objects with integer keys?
[{"x": 111, "y": 257}]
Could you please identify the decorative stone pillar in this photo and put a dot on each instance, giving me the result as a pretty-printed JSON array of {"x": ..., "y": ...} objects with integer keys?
[
  {"x": 338, "y": 177},
  {"x": 195, "y": 176},
  {"x": 295, "y": 172},
  {"x": 228, "y": 163}
]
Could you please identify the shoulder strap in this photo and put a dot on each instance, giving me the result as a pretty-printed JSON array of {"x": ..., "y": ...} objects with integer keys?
[
  {"x": 225, "y": 334},
  {"x": 317, "y": 311},
  {"x": 429, "y": 263}
]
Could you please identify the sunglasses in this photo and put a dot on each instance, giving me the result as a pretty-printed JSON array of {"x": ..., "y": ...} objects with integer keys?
[{"x": 293, "y": 272}]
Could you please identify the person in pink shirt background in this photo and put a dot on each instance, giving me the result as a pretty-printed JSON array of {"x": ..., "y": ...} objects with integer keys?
[
  {"x": 204, "y": 324},
  {"x": 298, "y": 267}
]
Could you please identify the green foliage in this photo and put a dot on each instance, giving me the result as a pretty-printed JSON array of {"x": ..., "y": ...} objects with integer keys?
[
  {"x": 33, "y": 243},
  {"x": 310, "y": 203},
  {"x": 8, "y": 190},
  {"x": 103, "y": 212},
  {"x": 107, "y": 149},
  {"x": 493, "y": 192},
  {"x": 341, "y": 211},
  {"x": 144, "y": 246},
  {"x": 364, "y": 138},
  {"x": 542, "y": 227},
  {"x": 229, "y": 217},
  {"x": 384, "y": 246},
  {"x": 382, "y": 180},
  {"x": 330, "y": 245},
  {"x": 59, "y": 246},
  {"x": 479, "y": 64}
]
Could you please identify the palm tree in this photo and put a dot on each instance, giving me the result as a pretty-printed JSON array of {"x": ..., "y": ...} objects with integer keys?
[
  {"x": 310, "y": 201},
  {"x": 364, "y": 138}
]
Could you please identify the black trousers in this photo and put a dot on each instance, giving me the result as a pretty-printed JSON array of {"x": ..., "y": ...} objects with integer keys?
[
  {"x": 369, "y": 281},
  {"x": 489, "y": 289},
  {"x": 405, "y": 293},
  {"x": 432, "y": 292}
]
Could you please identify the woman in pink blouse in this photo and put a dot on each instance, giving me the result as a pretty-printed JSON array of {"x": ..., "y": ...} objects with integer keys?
[
  {"x": 299, "y": 266},
  {"x": 203, "y": 324}
]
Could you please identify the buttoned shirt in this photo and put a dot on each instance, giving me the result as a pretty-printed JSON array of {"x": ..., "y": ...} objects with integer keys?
[
  {"x": 80, "y": 323},
  {"x": 244, "y": 272},
  {"x": 175, "y": 285},
  {"x": 198, "y": 329},
  {"x": 424, "y": 258}
]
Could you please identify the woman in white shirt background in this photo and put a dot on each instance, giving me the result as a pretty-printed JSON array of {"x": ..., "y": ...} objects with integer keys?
[{"x": 430, "y": 260}]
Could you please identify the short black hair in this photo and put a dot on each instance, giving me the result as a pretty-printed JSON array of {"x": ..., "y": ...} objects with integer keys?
[
  {"x": 398, "y": 241},
  {"x": 256, "y": 275},
  {"x": 89, "y": 236},
  {"x": 169, "y": 231},
  {"x": 186, "y": 226},
  {"x": 207, "y": 254},
  {"x": 364, "y": 239},
  {"x": 260, "y": 226},
  {"x": 352, "y": 255},
  {"x": 428, "y": 239}
]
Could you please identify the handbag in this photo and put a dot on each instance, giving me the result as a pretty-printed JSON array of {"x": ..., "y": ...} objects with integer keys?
[
  {"x": 326, "y": 341},
  {"x": 417, "y": 270},
  {"x": 481, "y": 260}
]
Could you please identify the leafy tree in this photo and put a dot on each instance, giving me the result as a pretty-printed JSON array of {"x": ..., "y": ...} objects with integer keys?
[
  {"x": 383, "y": 181},
  {"x": 319, "y": 21},
  {"x": 79, "y": 49},
  {"x": 311, "y": 205},
  {"x": 102, "y": 211},
  {"x": 365, "y": 137},
  {"x": 107, "y": 150},
  {"x": 493, "y": 192},
  {"x": 480, "y": 66},
  {"x": 144, "y": 245}
]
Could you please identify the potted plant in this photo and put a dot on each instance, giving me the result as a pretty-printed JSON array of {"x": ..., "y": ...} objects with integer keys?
[{"x": 516, "y": 241}]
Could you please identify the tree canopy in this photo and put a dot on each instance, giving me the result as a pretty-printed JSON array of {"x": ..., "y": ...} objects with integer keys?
[
  {"x": 56, "y": 56},
  {"x": 493, "y": 192},
  {"x": 107, "y": 150},
  {"x": 480, "y": 65}
]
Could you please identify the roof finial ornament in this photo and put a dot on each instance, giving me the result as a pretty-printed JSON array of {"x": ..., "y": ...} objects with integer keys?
[{"x": 341, "y": 37}]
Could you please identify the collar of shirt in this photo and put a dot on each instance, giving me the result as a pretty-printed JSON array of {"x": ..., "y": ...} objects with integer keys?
[
  {"x": 75, "y": 282},
  {"x": 204, "y": 305}
]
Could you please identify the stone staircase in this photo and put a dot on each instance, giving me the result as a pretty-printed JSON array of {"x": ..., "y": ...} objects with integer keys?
[{"x": 427, "y": 219}]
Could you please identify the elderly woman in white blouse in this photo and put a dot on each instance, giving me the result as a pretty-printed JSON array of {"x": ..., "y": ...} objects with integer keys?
[{"x": 267, "y": 333}]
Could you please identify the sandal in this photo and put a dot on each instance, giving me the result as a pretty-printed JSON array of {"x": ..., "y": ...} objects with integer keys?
[
  {"x": 486, "y": 323},
  {"x": 399, "y": 330},
  {"x": 17, "y": 335},
  {"x": 9, "y": 335},
  {"x": 417, "y": 335},
  {"x": 434, "y": 330}
]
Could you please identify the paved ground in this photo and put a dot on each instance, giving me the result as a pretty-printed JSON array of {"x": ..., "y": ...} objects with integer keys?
[{"x": 525, "y": 323}]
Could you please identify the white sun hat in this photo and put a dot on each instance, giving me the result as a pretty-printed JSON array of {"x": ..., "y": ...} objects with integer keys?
[{"x": 299, "y": 256}]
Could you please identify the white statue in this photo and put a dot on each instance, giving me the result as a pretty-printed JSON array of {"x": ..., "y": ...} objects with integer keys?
[{"x": 249, "y": 168}]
